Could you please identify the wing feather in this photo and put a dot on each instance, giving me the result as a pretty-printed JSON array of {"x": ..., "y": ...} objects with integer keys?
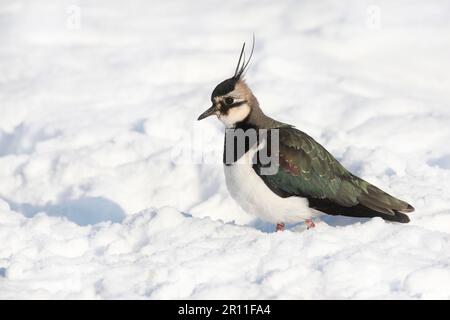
[{"x": 308, "y": 170}]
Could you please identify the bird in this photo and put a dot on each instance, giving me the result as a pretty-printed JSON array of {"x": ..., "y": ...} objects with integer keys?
[{"x": 308, "y": 180}]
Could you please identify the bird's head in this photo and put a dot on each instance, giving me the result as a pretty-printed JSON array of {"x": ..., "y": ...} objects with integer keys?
[{"x": 232, "y": 100}]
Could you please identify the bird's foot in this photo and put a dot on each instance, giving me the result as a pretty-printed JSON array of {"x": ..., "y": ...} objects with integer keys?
[
  {"x": 280, "y": 227},
  {"x": 309, "y": 224}
]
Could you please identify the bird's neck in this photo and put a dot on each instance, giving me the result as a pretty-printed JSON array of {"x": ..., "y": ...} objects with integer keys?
[{"x": 257, "y": 119}]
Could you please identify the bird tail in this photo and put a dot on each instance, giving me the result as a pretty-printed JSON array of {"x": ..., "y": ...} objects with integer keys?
[{"x": 388, "y": 207}]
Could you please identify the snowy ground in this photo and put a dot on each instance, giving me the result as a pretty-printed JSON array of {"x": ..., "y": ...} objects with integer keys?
[{"x": 110, "y": 188}]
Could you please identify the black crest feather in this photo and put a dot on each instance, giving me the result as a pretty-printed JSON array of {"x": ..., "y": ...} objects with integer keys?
[
  {"x": 228, "y": 85},
  {"x": 241, "y": 67}
]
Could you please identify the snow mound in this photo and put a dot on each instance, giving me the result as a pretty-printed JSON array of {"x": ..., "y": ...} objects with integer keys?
[{"x": 165, "y": 254}]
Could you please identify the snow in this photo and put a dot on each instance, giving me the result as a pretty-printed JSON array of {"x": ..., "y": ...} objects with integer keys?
[{"x": 110, "y": 188}]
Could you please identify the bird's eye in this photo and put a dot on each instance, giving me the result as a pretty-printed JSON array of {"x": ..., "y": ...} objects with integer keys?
[{"x": 229, "y": 100}]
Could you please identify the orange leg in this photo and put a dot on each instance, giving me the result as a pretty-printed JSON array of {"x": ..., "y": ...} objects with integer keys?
[
  {"x": 310, "y": 224},
  {"x": 280, "y": 227}
]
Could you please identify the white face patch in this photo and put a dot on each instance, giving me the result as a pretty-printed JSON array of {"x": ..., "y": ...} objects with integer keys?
[{"x": 235, "y": 115}]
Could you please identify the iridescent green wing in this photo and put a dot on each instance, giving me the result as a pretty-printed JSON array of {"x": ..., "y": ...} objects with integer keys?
[{"x": 307, "y": 169}]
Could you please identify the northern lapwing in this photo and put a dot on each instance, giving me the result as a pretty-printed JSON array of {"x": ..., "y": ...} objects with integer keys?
[{"x": 308, "y": 180}]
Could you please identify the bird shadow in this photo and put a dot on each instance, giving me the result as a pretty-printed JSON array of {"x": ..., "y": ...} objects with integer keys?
[
  {"x": 333, "y": 221},
  {"x": 268, "y": 227},
  {"x": 82, "y": 211},
  {"x": 342, "y": 221},
  {"x": 262, "y": 226}
]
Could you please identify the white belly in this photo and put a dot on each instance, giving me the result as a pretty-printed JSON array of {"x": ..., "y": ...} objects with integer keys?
[{"x": 252, "y": 194}]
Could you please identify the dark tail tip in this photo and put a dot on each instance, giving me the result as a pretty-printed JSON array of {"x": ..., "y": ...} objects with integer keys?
[
  {"x": 401, "y": 217},
  {"x": 409, "y": 208}
]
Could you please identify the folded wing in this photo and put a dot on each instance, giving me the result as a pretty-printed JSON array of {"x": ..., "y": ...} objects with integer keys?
[{"x": 308, "y": 170}]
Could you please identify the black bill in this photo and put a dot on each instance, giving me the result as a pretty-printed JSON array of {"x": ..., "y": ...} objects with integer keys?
[{"x": 208, "y": 112}]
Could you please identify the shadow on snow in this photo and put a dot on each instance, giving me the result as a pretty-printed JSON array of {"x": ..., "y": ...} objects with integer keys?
[{"x": 82, "y": 211}]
